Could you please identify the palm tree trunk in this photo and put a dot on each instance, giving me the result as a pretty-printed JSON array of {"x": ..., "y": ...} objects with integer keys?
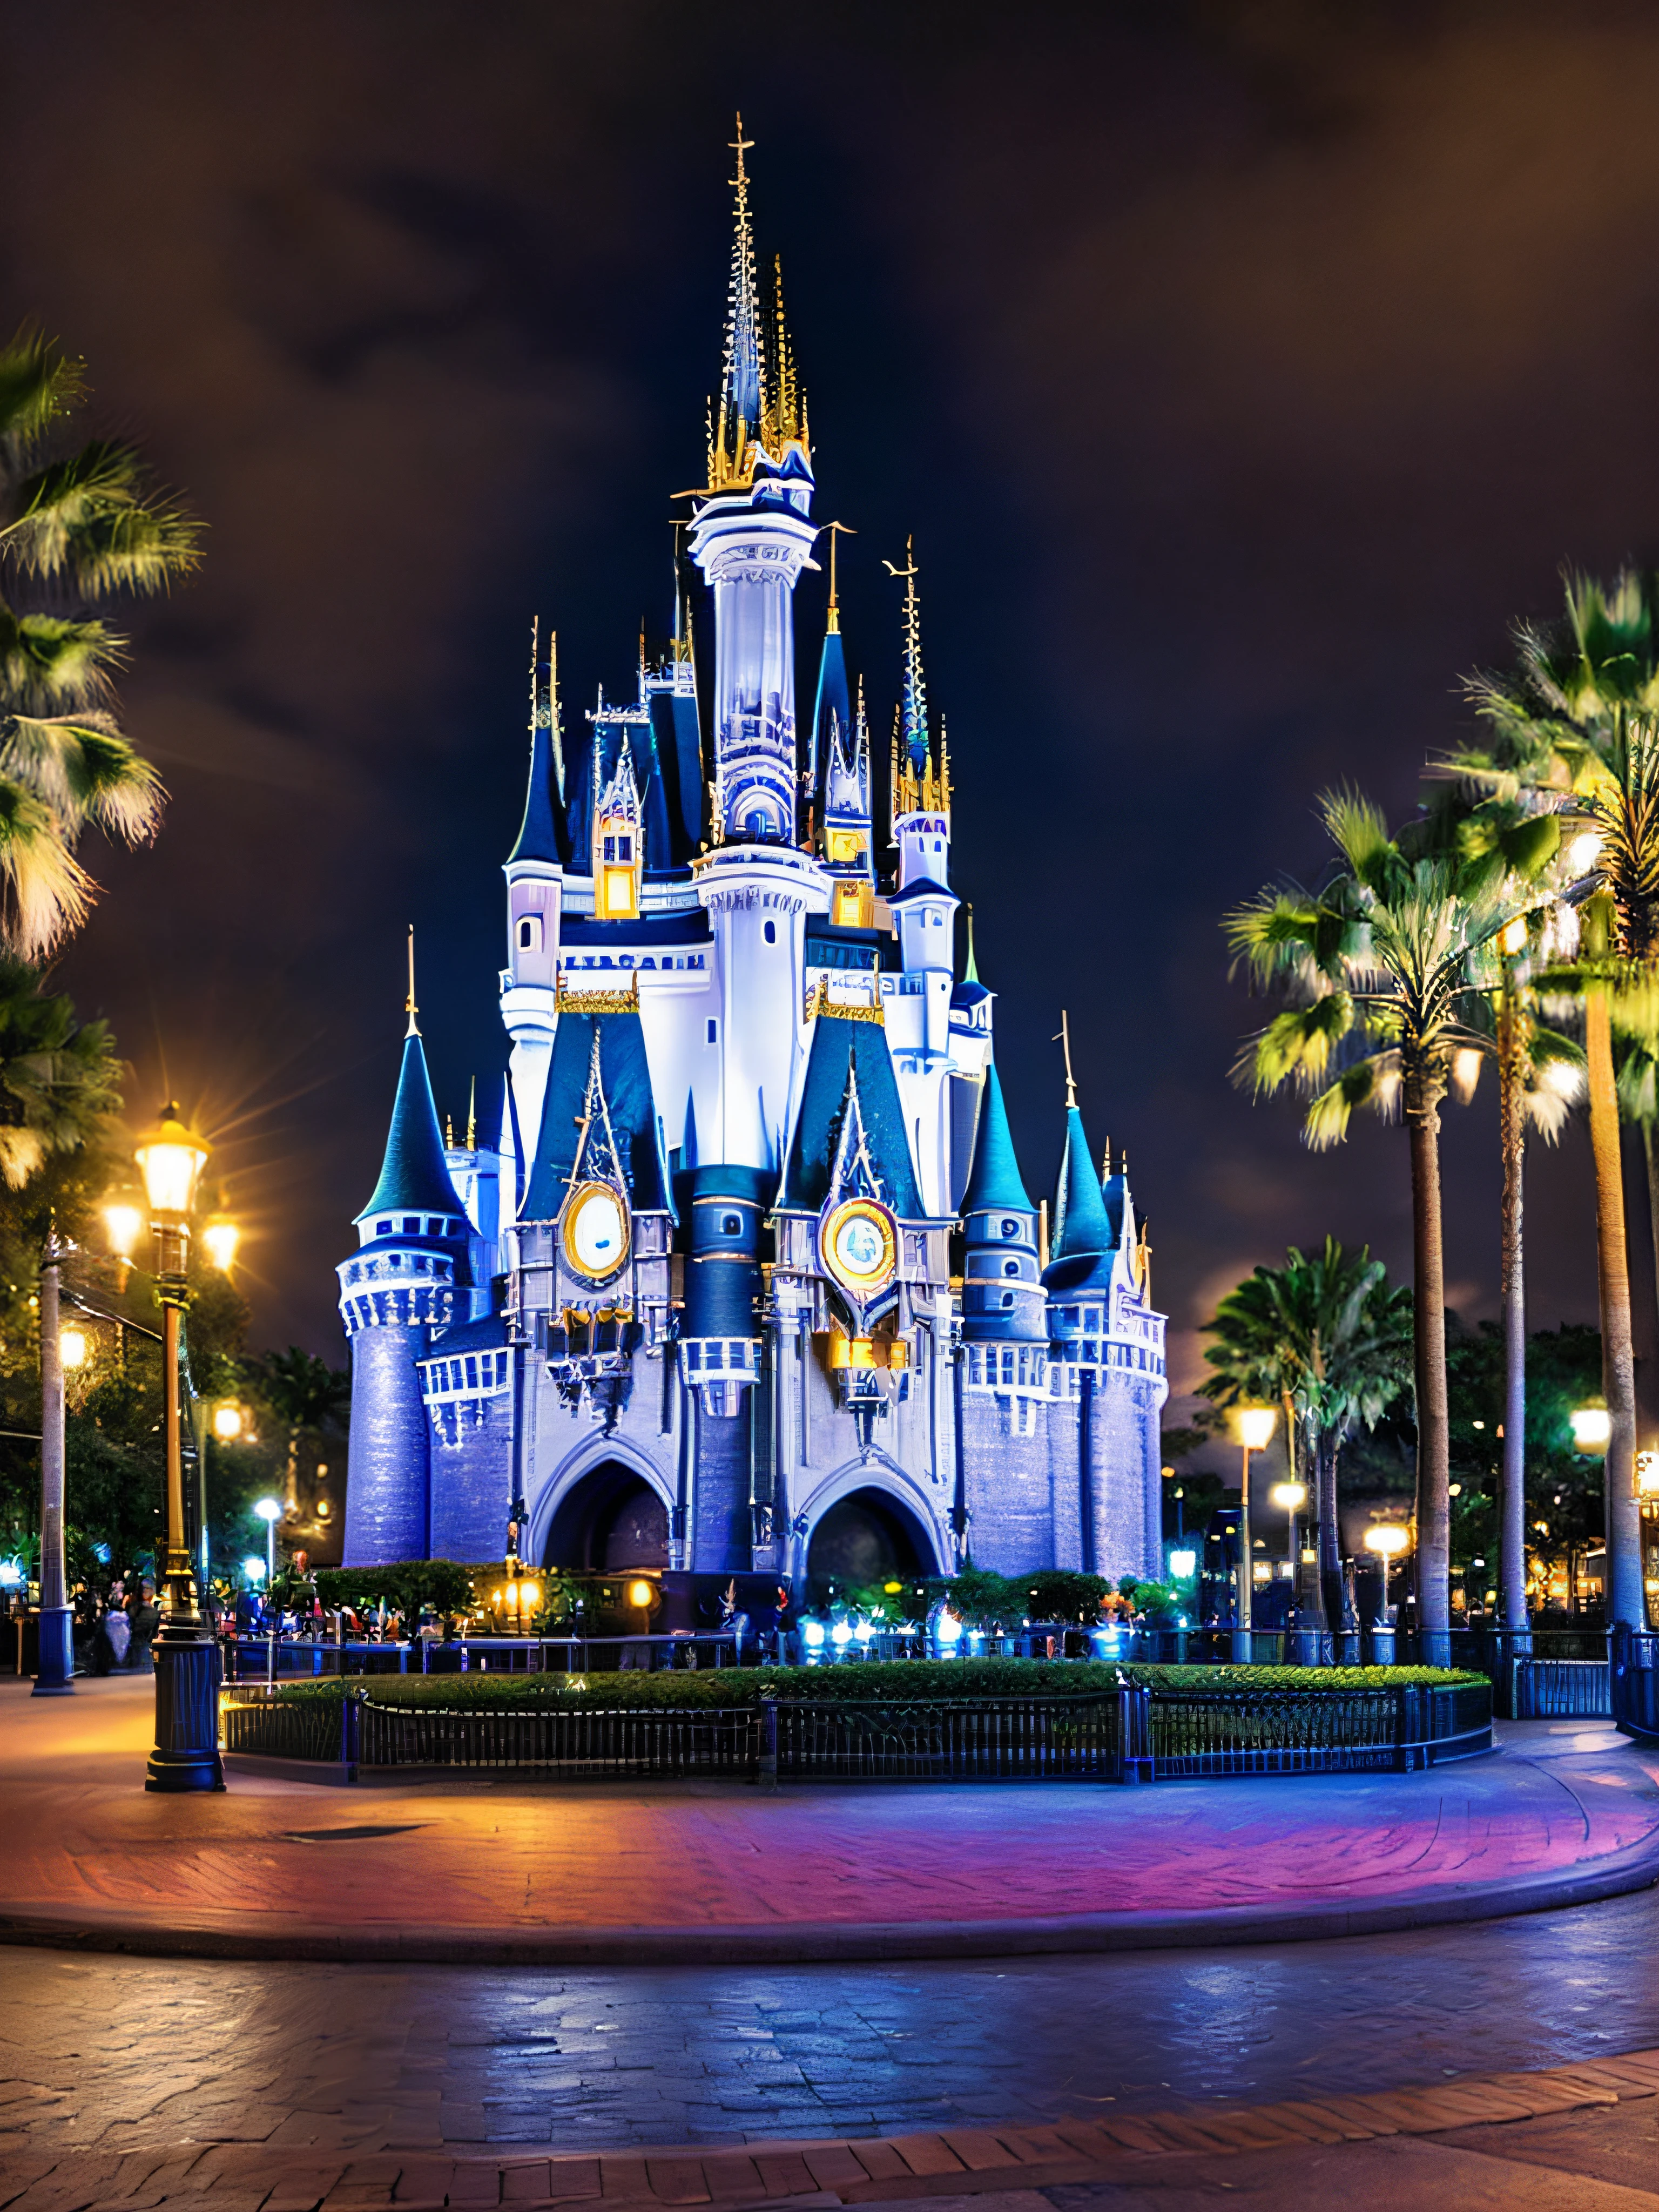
[
  {"x": 1433, "y": 1419},
  {"x": 1651, "y": 1155},
  {"x": 1623, "y": 1582},
  {"x": 1328, "y": 1540},
  {"x": 1512, "y": 1137}
]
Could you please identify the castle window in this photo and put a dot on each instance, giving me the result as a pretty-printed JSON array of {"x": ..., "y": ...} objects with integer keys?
[
  {"x": 530, "y": 933},
  {"x": 770, "y": 933},
  {"x": 713, "y": 1030},
  {"x": 434, "y": 1228},
  {"x": 471, "y": 1374},
  {"x": 730, "y": 1225},
  {"x": 1010, "y": 1267},
  {"x": 609, "y": 848},
  {"x": 1010, "y": 1229},
  {"x": 412, "y": 1226},
  {"x": 1007, "y": 1298},
  {"x": 624, "y": 849},
  {"x": 383, "y": 1229}
]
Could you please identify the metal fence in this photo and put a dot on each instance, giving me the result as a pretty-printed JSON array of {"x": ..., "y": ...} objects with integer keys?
[
  {"x": 1556, "y": 1689},
  {"x": 1635, "y": 1681},
  {"x": 1127, "y": 1734},
  {"x": 1094, "y": 1738}
]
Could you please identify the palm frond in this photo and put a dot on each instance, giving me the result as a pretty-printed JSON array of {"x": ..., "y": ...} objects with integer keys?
[
  {"x": 1372, "y": 1082},
  {"x": 43, "y": 891},
  {"x": 92, "y": 516},
  {"x": 84, "y": 770},
  {"x": 39, "y": 384},
  {"x": 48, "y": 662}
]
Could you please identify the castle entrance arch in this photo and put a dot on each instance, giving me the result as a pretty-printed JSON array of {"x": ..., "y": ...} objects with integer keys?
[
  {"x": 611, "y": 1521},
  {"x": 866, "y": 1536}
]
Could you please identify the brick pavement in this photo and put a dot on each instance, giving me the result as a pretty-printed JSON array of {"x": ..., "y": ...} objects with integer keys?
[
  {"x": 516, "y": 1869},
  {"x": 1493, "y": 2139}
]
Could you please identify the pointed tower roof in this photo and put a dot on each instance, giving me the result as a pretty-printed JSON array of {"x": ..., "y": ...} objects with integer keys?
[
  {"x": 413, "y": 1177},
  {"x": 538, "y": 836},
  {"x": 995, "y": 1184},
  {"x": 849, "y": 1053},
  {"x": 1081, "y": 1227},
  {"x": 913, "y": 706},
  {"x": 742, "y": 376}
]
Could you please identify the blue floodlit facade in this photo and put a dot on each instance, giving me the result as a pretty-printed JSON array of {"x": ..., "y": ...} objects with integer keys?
[{"x": 743, "y": 1276}]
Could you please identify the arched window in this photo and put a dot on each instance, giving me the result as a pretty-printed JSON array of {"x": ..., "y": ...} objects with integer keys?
[
  {"x": 770, "y": 933},
  {"x": 530, "y": 933}
]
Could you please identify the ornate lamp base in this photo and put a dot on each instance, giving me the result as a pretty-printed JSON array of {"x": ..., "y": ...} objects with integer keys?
[{"x": 186, "y": 1754}]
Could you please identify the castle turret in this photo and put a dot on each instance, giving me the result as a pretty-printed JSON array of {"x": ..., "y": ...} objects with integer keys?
[
  {"x": 408, "y": 1279},
  {"x": 535, "y": 893},
  {"x": 1002, "y": 1296}
]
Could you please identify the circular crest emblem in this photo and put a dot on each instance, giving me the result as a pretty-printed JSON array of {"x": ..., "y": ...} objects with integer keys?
[
  {"x": 858, "y": 1243},
  {"x": 595, "y": 1231}
]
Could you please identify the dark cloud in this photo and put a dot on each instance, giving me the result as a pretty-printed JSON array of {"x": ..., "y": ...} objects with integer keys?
[{"x": 1243, "y": 371}]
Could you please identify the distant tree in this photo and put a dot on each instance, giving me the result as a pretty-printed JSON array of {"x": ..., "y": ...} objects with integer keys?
[{"x": 79, "y": 523}]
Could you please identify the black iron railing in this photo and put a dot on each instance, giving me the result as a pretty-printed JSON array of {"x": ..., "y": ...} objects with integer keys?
[
  {"x": 573, "y": 1742},
  {"x": 1634, "y": 1683},
  {"x": 1094, "y": 1738}
]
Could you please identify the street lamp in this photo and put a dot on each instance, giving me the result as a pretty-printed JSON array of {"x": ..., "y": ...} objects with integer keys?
[
  {"x": 171, "y": 1158},
  {"x": 1389, "y": 1541},
  {"x": 219, "y": 1237},
  {"x": 271, "y": 1512},
  {"x": 1592, "y": 1431},
  {"x": 1290, "y": 1497},
  {"x": 227, "y": 1421},
  {"x": 1255, "y": 1433}
]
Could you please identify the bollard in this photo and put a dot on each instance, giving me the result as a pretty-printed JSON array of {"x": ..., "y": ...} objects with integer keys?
[{"x": 769, "y": 1759}]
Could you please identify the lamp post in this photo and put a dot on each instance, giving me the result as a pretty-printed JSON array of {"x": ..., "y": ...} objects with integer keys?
[
  {"x": 1389, "y": 1540},
  {"x": 187, "y": 1752},
  {"x": 1255, "y": 1433},
  {"x": 55, "y": 1667},
  {"x": 271, "y": 1512}
]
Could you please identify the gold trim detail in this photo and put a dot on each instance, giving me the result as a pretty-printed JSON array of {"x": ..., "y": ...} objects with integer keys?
[
  {"x": 818, "y": 1001},
  {"x": 583, "y": 1194},
  {"x": 859, "y": 1282},
  {"x": 596, "y": 1002}
]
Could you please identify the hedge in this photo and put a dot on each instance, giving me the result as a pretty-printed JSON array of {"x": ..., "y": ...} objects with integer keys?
[{"x": 955, "y": 1679}]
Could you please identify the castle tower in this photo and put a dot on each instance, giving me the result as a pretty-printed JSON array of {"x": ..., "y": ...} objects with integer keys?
[
  {"x": 1003, "y": 1299},
  {"x": 924, "y": 907},
  {"x": 751, "y": 536},
  {"x": 535, "y": 893},
  {"x": 408, "y": 1279}
]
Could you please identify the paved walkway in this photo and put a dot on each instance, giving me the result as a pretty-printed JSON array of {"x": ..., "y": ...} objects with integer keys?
[
  {"x": 513, "y": 1870},
  {"x": 1583, "y": 2136}
]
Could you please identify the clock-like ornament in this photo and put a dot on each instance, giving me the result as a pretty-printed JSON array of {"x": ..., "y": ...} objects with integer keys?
[
  {"x": 595, "y": 1231},
  {"x": 859, "y": 1245}
]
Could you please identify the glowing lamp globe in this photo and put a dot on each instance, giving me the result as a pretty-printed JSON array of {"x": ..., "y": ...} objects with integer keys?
[
  {"x": 811, "y": 1634},
  {"x": 253, "y": 1570},
  {"x": 1388, "y": 1539},
  {"x": 640, "y": 1595},
  {"x": 268, "y": 1509},
  {"x": 1289, "y": 1497},
  {"x": 124, "y": 1224},
  {"x": 1255, "y": 1427},
  {"x": 1183, "y": 1564},
  {"x": 840, "y": 1635},
  {"x": 72, "y": 1347},
  {"x": 1647, "y": 1474},
  {"x": 949, "y": 1629},
  {"x": 219, "y": 1237},
  {"x": 226, "y": 1422},
  {"x": 1592, "y": 1430},
  {"x": 530, "y": 1595},
  {"x": 171, "y": 1159}
]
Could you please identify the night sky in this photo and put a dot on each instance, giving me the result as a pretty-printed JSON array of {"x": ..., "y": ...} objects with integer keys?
[{"x": 1242, "y": 372}]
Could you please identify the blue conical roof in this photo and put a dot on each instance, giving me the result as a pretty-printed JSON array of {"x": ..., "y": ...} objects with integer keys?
[
  {"x": 538, "y": 837},
  {"x": 1083, "y": 1227},
  {"x": 833, "y": 706},
  {"x": 995, "y": 1185},
  {"x": 413, "y": 1177}
]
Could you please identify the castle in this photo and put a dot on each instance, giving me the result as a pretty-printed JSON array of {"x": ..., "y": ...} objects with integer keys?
[{"x": 747, "y": 1278}]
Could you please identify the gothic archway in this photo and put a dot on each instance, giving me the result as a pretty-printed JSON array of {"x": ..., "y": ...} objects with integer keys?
[
  {"x": 867, "y": 1536},
  {"x": 609, "y": 1522}
]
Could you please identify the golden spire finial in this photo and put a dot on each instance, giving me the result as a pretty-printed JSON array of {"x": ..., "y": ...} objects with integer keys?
[
  {"x": 1106, "y": 1163},
  {"x": 1063, "y": 1038},
  {"x": 409, "y": 1007},
  {"x": 740, "y": 146},
  {"x": 535, "y": 658},
  {"x": 473, "y": 1116},
  {"x": 837, "y": 530}
]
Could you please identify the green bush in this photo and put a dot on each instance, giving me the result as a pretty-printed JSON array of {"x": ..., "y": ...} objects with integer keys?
[
  {"x": 958, "y": 1680},
  {"x": 406, "y": 1586}
]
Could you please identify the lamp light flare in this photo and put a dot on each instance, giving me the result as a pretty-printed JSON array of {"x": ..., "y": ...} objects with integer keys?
[
  {"x": 1389, "y": 1538},
  {"x": 1584, "y": 852},
  {"x": 1647, "y": 1474},
  {"x": 124, "y": 1224},
  {"x": 268, "y": 1509},
  {"x": 640, "y": 1595},
  {"x": 1512, "y": 938},
  {"x": 72, "y": 1347},
  {"x": 1183, "y": 1564},
  {"x": 226, "y": 1422},
  {"x": 1592, "y": 1430},
  {"x": 253, "y": 1570},
  {"x": 1289, "y": 1497},
  {"x": 1255, "y": 1427},
  {"x": 220, "y": 1238}
]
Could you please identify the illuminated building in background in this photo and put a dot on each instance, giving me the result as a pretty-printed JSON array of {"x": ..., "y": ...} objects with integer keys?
[{"x": 689, "y": 1302}]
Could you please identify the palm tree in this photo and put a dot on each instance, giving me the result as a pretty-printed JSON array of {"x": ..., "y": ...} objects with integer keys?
[
  {"x": 1578, "y": 721},
  {"x": 1387, "y": 965},
  {"x": 59, "y": 1081},
  {"x": 306, "y": 1394},
  {"x": 76, "y": 524},
  {"x": 1333, "y": 1342}
]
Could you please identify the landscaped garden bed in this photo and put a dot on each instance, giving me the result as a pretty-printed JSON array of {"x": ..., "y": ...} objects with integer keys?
[{"x": 992, "y": 1719}]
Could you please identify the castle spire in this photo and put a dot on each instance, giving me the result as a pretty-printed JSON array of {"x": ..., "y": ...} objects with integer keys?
[
  {"x": 413, "y": 1177},
  {"x": 971, "y": 973},
  {"x": 537, "y": 838},
  {"x": 409, "y": 1007},
  {"x": 915, "y": 708},
  {"x": 743, "y": 373}
]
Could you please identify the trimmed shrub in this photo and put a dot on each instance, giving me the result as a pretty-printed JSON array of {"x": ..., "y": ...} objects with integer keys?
[{"x": 957, "y": 1681}]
